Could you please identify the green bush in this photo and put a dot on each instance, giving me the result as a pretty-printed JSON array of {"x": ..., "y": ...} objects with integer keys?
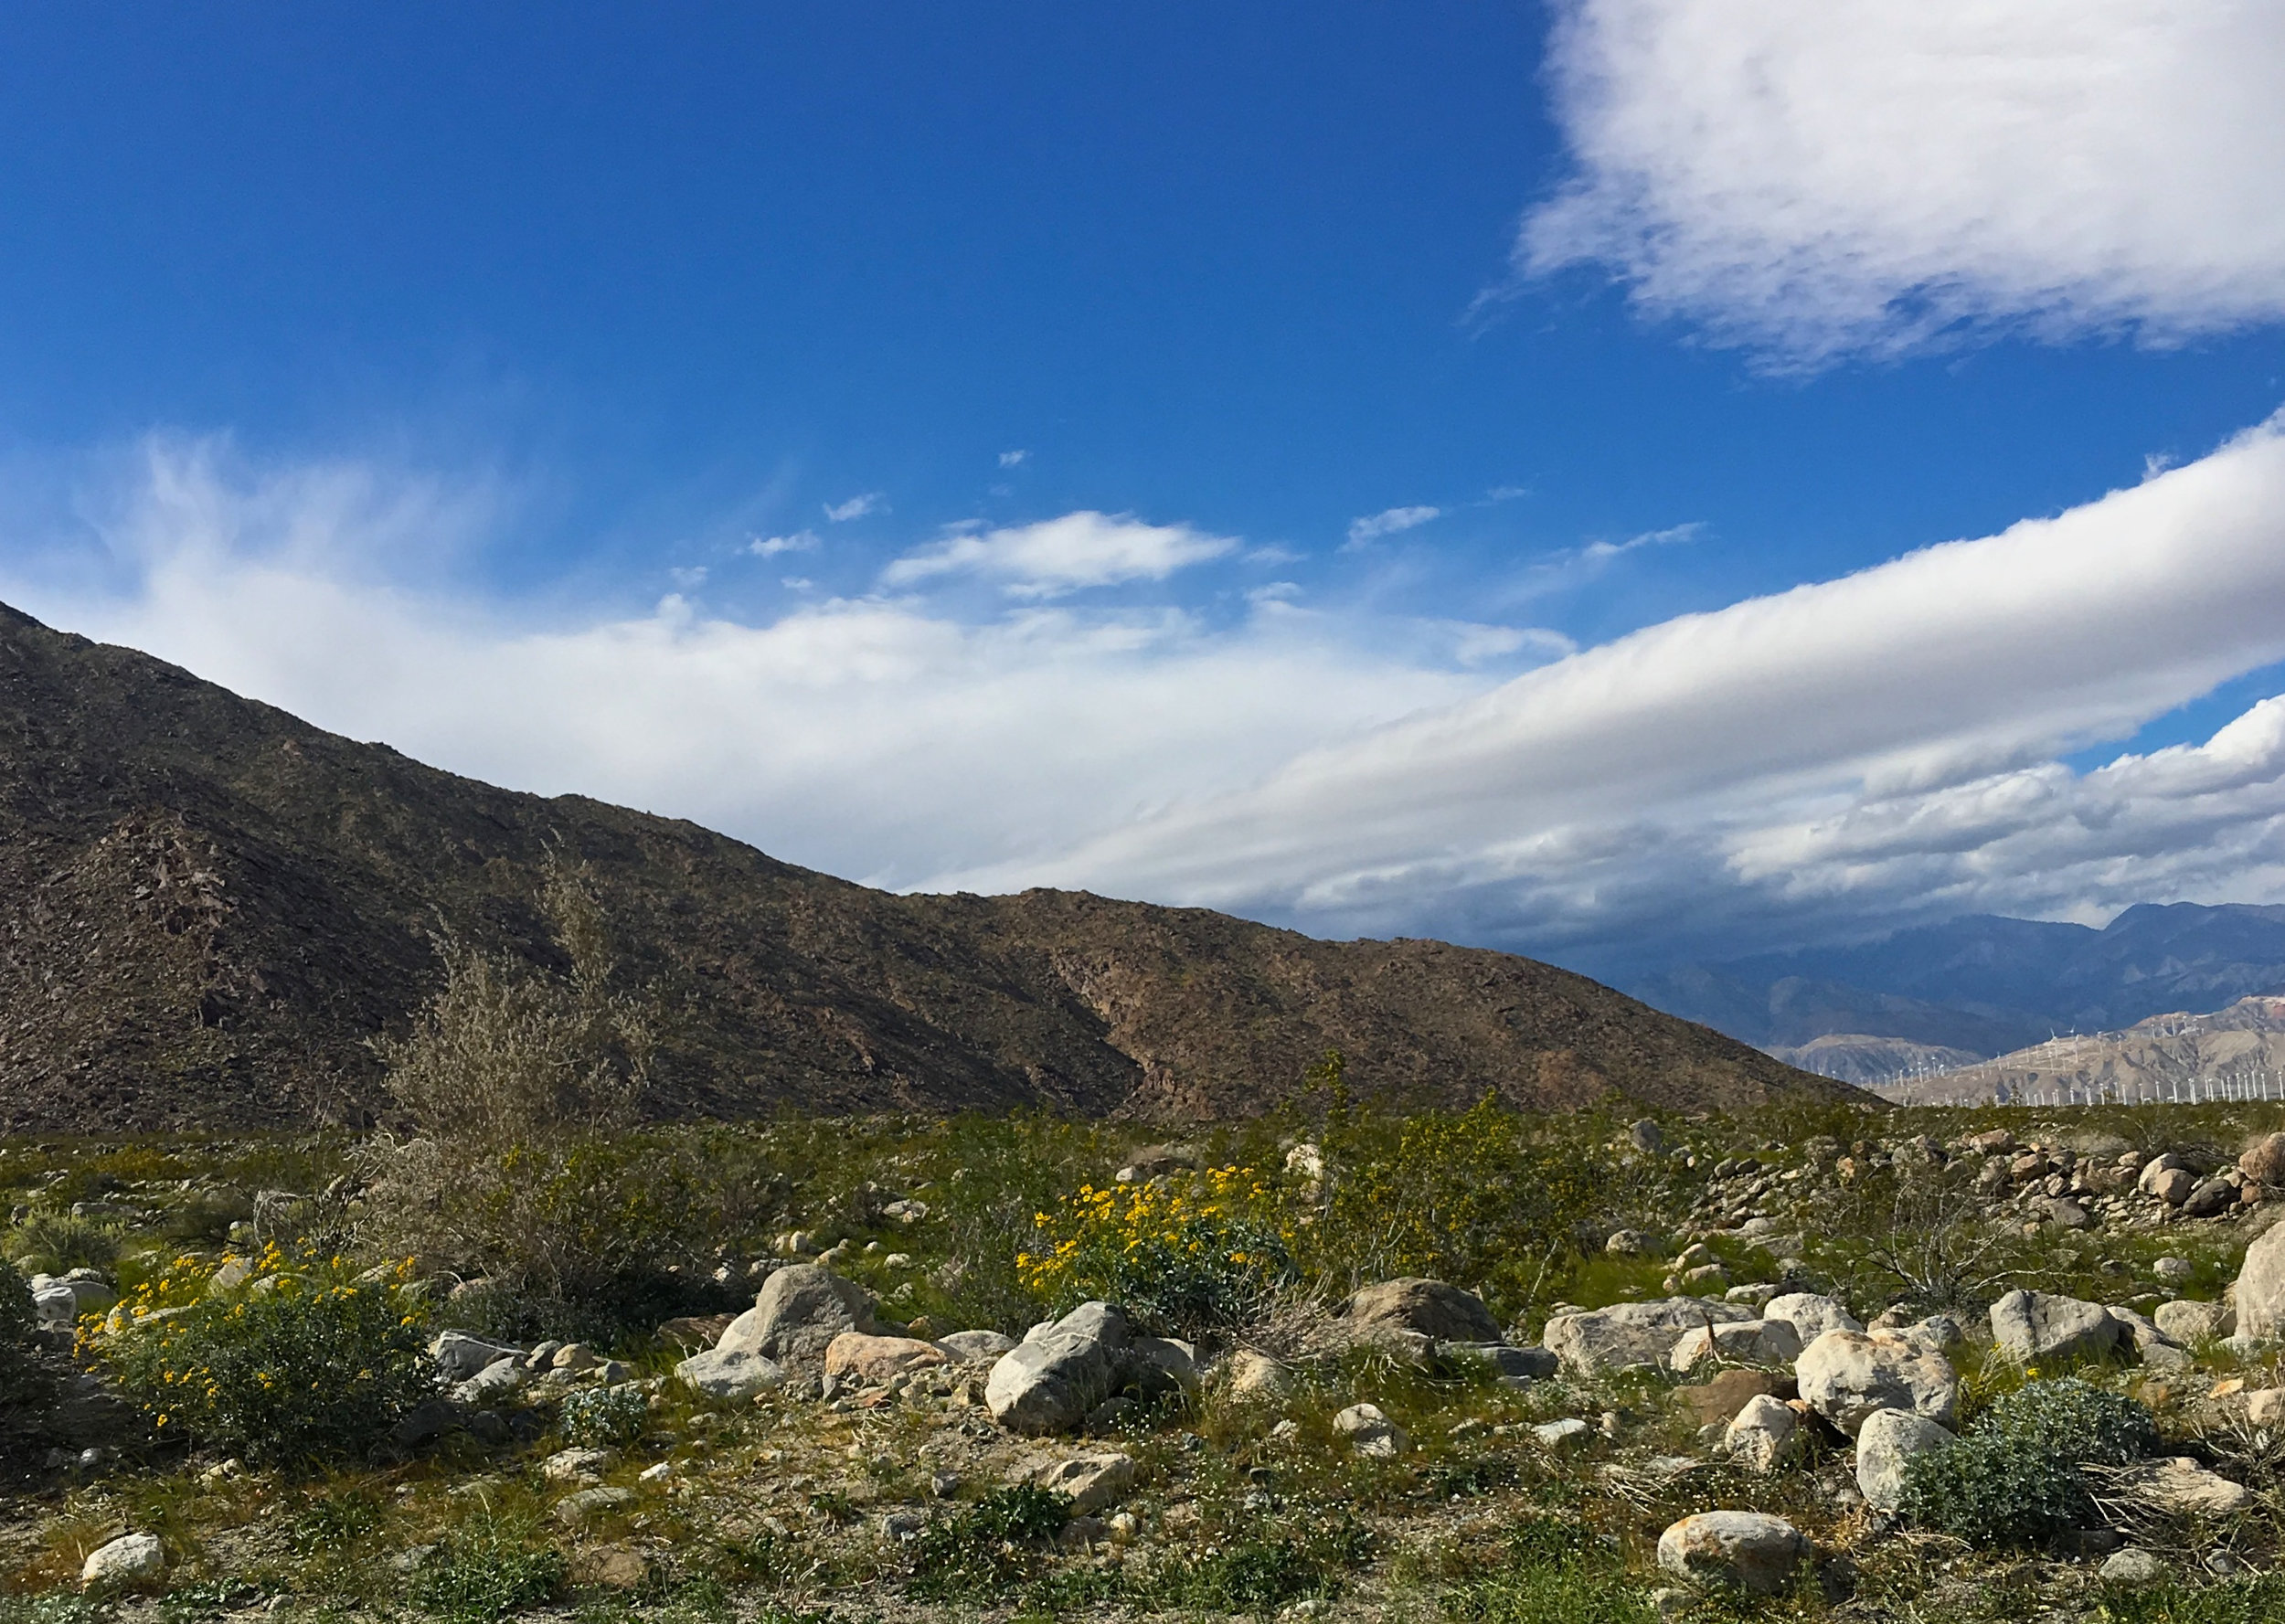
[
  {"x": 2013, "y": 1479},
  {"x": 1486, "y": 1199},
  {"x": 1556, "y": 1573},
  {"x": 599, "y": 1417},
  {"x": 486, "y": 1569},
  {"x": 1264, "y": 1574},
  {"x": 305, "y": 1361},
  {"x": 994, "y": 1544},
  {"x": 48, "y": 1242}
]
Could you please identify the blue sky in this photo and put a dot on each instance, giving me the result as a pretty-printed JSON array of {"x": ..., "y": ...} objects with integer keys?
[{"x": 1098, "y": 445}]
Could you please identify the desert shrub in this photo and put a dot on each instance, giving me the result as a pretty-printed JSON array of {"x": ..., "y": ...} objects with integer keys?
[
  {"x": 1555, "y": 1573},
  {"x": 486, "y": 1568},
  {"x": 2250, "y": 1598},
  {"x": 604, "y": 1417},
  {"x": 1475, "y": 1197},
  {"x": 314, "y": 1362},
  {"x": 2013, "y": 1479},
  {"x": 50, "y": 1242},
  {"x": 1265, "y": 1574},
  {"x": 998, "y": 1174},
  {"x": 998, "y": 1541},
  {"x": 1184, "y": 1255},
  {"x": 516, "y": 1079}
]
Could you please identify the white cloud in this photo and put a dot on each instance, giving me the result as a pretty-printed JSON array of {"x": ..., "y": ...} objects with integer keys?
[
  {"x": 1638, "y": 785},
  {"x": 1819, "y": 177},
  {"x": 1013, "y": 459},
  {"x": 1599, "y": 550},
  {"x": 1062, "y": 555},
  {"x": 1388, "y": 522},
  {"x": 1849, "y": 752},
  {"x": 770, "y": 547},
  {"x": 857, "y": 507}
]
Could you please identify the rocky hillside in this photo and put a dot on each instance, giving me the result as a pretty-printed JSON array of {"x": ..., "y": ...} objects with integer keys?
[{"x": 213, "y": 907}]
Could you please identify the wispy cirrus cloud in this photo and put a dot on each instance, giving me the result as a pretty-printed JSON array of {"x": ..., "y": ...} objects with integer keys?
[
  {"x": 770, "y": 547},
  {"x": 1063, "y": 555},
  {"x": 1390, "y": 521},
  {"x": 1814, "y": 179},
  {"x": 857, "y": 507}
]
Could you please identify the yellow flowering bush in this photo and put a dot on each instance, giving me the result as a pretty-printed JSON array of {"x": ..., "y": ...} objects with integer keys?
[
  {"x": 1182, "y": 1255},
  {"x": 295, "y": 1355}
]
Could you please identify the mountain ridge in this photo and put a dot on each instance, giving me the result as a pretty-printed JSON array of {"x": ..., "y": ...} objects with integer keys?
[{"x": 217, "y": 905}]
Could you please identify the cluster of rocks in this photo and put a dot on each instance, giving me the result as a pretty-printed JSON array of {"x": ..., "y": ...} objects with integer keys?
[
  {"x": 1800, "y": 1364},
  {"x": 2073, "y": 1189}
]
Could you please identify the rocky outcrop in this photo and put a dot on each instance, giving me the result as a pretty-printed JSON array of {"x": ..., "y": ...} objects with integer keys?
[{"x": 1053, "y": 1379}]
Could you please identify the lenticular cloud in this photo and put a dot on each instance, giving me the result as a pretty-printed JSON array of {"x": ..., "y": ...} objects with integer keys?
[{"x": 1814, "y": 178}]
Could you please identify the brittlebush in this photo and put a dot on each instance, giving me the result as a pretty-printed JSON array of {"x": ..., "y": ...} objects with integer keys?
[
  {"x": 1186, "y": 1255},
  {"x": 303, "y": 1359}
]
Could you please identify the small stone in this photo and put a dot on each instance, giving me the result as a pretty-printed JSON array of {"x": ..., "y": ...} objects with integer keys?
[
  {"x": 1369, "y": 1431},
  {"x": 578, "y": 1466},
  {"x": 2182, "y": 1487},
  {"x": 1569, "y": 1433},
  {"x": 2132, "y": 1567},
  {"x": 2189, "y": 1323},
  {"x": 1848, "y": 1376},
  {"x": 1764, "y": 1435},
  {"x": 734, "y": 1374},
  {"x": 2035, "y": 1328},
  {"x": 590, "y": 1503},
  {"x": 1257, "y": 1375},
  {"x": 1093, "y": 1482},
  {"x": 130, "y": 1560},
  {"x": 1432, "y": 1308},
  {"x": 2173, "y": 1271},
  {"x": 1715, "y": 1402},
  {"x": 872, "y": 1360},
  {"x": 1746, "y": 1551}
]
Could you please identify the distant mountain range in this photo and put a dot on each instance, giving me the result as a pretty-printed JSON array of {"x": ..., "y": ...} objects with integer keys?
[
  {"x": 2238, "y": 1052},
  {"x": 1980, "y": 986},
  {"x": 208, "y": 907}
]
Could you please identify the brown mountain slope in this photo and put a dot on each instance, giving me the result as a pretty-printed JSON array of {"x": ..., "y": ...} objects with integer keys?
[{"x": 212, "y": 906}]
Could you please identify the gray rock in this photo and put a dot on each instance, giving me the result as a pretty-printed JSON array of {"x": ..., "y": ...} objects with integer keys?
[
  {"x": 2172, "y": 1186},
  {"x": 1517, "y": 1365},
  {"x": 2181, "y": 1486},
  {"x": 2153, "y": 1346},
  {"x": 2034, "y": 1328},
  {"x": 2214, "y": 1196},
  {"x": 1810, "y": 1314},
  {"x": 1433, "y": 1309},
  {"x": 590, "y": 1503},
  {"x": 130, "y": 1560},
  {"x": 459, "y": 1356},
  {"x": 578, "y": 1466},
  {"x": 2132, "y": 1567},
  {"x": 2173, "y": 1270},
  {"x": 1257, "y": 1375},
  {"x": 1765, "y": 1434},
  {"x": 1049, "y": 1382},
  {"x": 1569, "y": 1433},
  {"x": 1647, "y": 1136},
  {"x": 732, "y": 1374},
  {"x": 2066, "y": 1214},
  {"x": 495, "y": 1381},
  {"x": 1176, "y": 1359},
  {"x": 1746, "y": 1551},
  {"x": 1766, "y": 1342},
  {"x": 2186, "y": 1321},
  {"x": 1369, "y": 1431},
  {"x": 797, "y": 1313},
  {"x": 1847, "y": 1377},
  {"x": 426, "y": 1422},
  {"x": 975, "y": 1347},
  {"x": 1885, "y": 1443},
  {"x": 1093, "y": 1482},
  {"x": 2157, "y": 1168},
  {"x": 1633, "y": 1333},
  {"x": 2261, "y": 1288}
]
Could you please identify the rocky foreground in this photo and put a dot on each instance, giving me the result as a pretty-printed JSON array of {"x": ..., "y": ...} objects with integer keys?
[{"x": 1730, "y": 1425}]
